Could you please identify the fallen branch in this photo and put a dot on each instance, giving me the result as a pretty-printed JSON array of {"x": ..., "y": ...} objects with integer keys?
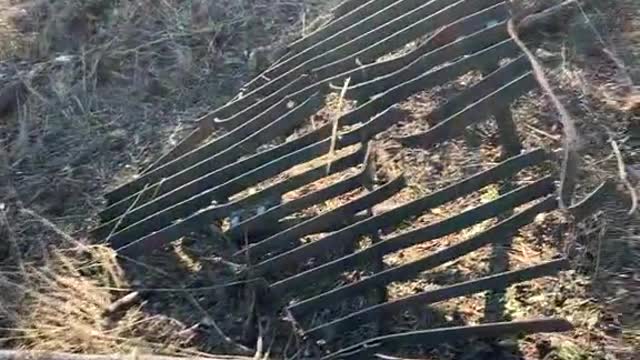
[
  {"x": 571, "y": 138},
  {"x": 37, "y": 355}
]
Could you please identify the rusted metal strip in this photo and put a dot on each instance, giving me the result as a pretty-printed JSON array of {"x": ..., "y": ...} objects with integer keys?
[
  {"x": 476, "y": 112},
  {"x": 216, "y": 212},
  {"x": 239, "y": 148},
  {"x": 494, "y": 282},
  {"x": 433, "y": 337},
  {"x": 262, "y": 221},
  {"x": 496, "y": 233},
  {"x": 342, "y": 214},
  {"x": 451, "y": 225},
  {"x": 397, "y": 40}
]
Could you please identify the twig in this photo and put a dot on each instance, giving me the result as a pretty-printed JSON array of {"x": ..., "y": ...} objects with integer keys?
[
  {"x": 124, "y": 215},
  {"x": 216, "y": 328},
  {"x": 571, "y": 140},
  {"x": 622, "y": 172},
  {"x": 334, "y": 131}
]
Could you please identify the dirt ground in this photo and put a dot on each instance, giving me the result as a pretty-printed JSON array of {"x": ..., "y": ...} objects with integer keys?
[{"x": 98, "y": 89}]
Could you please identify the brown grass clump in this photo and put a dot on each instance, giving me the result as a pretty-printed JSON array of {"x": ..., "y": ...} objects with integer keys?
[{"x": 64, "y": 305}]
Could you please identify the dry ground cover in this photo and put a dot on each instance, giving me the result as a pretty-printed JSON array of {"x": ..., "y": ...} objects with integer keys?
[{"x": 98, "y": 89}]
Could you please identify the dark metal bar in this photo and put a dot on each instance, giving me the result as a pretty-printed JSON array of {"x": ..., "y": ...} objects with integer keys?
[
  {"x": 165, "y": 209},
  {"x": 358, "y": 35},
  {"x": 412, "y": 32},
  {"x": 423, "y": 234},
  {"x": 216, "y": 212},
  {"x": 202, "y": 192},
  {"x": 496, "y": 233},
  {"x": 264, "y": 220},
  {"x": 276, "y": 190},
  {"x": 342, "y": 214},
  {"x": 462, "y": 188},
  {"x": 494, "y": 282},
  {"x": 461, "y": 8},
  {"x": 466, "y": 25},
  {"x": 229, "y": 152},
  {"x": 435, "y": 337},
  {"x": 206, "y": 151},
  {"x": 288, "y": 93},
  {"x": 492, "y": 82},
  {"x": 478, "y": 111},
  {"x": 426, "y": 81}
]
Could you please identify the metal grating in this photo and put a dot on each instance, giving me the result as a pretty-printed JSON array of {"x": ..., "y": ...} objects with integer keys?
[{"x": 204, "y": 182}]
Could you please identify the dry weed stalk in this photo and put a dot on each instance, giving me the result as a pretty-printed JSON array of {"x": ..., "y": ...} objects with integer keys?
[{"x": 334, "y": 129}]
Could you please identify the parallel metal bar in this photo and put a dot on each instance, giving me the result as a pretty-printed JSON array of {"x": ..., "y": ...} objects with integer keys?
[
  {"x": 435, "y": 337},
  {"x": 239, "y": 147},
  {"x": 466, "y": 25},
  {"x": 201, "y": 192},
  {"x": 475, "y": 112},
  {"x": 360, "y": 34},
  {"x": 173, "y": 206},
  {"x": 494, "y": 282},
  {"x": 431, "y": 232},
  {"x": 416, "y": 207},
  {"x": 419, "y": 69},
  {"x": 247, "y": 106},
  {"x": 216, "y": 212},
  {"x": 449, "y": 33},
  {"x": 495, "y": 234},
  {"x": 430, "y": 79},
  {"x": 397, "y": 40},
  {"x": 489, "y": 84},
  {"x": 450, "y": 72},
  {"x": 289, "y": 93},
  {"x": 257, "y": 117},
  {"x": 273, "y": 191},
  {"x": 341, "y": 214},
  {"x": 264, "y": 220},
  {"x": 461, "y": 8}
]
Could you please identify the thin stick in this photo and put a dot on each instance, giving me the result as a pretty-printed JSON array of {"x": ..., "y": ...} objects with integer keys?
[
  {"x": 334, "y": 131},
  {"x": 55, "y": 228},
  {"x": 624, "y": 177}
]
